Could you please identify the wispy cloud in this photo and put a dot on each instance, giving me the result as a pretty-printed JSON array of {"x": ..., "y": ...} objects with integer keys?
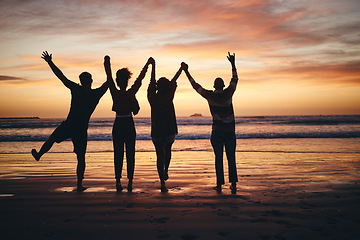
[
  {"x": 10, "y": 78},
  {"x": 304, "y": 43}
]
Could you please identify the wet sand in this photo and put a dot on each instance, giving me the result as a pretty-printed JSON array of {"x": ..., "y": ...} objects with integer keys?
[{"x": 280, "y": 196}]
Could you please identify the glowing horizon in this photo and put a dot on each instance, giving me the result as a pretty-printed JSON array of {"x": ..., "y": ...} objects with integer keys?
[{"x": 293, "y": 57}]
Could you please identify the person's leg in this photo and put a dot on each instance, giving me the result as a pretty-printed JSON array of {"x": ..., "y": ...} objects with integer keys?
[
  {"x": 79, "y": 140},
  {"x": 118, "y": 144},
  {"x": 80, "y": 171},
  {"x": 130, "y": 160},
  {"x": 230, "y": 148},
  {"x": 118, "y": 161},
  {"x": 59, "y": 134},
  {"x": 44, "y": 149},
  {"x": 168, "y": 144},
  {"x": 160, "y": 155},
  {"x": 218, "y": 146}
]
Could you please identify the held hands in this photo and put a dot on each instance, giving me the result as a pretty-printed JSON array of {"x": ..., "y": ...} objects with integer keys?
[
  {"x": 151, "y": 61},
  {"x": 107, "y": 60},
  {"x": 231, "y": 58},
  {"x": 45, "y": 55},
  {"x": 184, "y": 66}
]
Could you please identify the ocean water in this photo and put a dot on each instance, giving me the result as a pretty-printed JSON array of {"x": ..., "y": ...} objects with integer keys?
[{"x": 333, "y": 133}]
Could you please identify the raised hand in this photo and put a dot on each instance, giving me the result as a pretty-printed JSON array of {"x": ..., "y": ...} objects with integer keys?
[
  {"x": 184, "y": 66},
  {"x": 45, "y": 55},
  {"x": 107, "y": 60},
  {"x": 151, "y": 60},
  {"x": 231, "y": 58}
]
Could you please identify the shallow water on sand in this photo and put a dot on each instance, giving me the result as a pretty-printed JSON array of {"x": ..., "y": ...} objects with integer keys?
[
  {"x": 299, "y": 193},
  {"x": 193, "y": 171},
  {"x": 287, "y": 145}
]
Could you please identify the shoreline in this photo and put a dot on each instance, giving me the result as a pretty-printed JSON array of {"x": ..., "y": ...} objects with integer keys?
[{"x": 290, "y": 145}]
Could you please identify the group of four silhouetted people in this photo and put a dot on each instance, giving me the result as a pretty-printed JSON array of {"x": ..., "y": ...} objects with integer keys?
[{"x": 160, "y": 95}]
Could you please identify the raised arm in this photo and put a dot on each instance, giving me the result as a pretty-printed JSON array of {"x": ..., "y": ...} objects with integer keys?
[
  {"x": 144, "y": 70},
  {"x": 231, "y": 59},
  {"x": 194, "y": 84},
  {"x": 177, "y": 75},
  {"x": 152, "y": 86},
  {"x": 103, "y": 88},
  {"x": 48, "y": 58},
  {"x": 107, "y": 67},
  {"x": 137, "y": 84},
  {"x": 109, "y": 79},
  {"x": 152, "y": 62}
]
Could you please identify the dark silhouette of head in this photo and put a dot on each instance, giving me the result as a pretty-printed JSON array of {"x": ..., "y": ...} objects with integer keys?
[
  {"x": 219, "y": 84},
  {"x": 122, "y": 77},
  {"x": 163, "y": 85},
  {"x": 85, "y": 79}
]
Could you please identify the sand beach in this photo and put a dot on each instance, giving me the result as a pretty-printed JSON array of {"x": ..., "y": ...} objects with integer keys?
[{"x": 281, "y": 195}]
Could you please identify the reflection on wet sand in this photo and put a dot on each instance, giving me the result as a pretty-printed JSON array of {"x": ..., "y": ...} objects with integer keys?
[{"x": 280, "y": 196}]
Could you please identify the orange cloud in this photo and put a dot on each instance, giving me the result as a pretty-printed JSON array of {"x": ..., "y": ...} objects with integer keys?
[{"x": 295, "y": 46}]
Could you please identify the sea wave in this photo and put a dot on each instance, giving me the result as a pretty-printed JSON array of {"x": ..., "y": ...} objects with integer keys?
[
  {"x": 197, "y": 121},
  {"x": 108, "y": 137},
  {"x": 266, "y": 127}
]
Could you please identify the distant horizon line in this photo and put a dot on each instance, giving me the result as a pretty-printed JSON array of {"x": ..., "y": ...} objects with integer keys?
[{"x": 190, "y": 116}]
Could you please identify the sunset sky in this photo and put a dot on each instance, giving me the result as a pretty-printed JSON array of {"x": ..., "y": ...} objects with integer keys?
[{"x": 293, "y": 57}]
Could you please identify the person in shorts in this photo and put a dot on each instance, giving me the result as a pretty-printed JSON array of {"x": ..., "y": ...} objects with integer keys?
[{"x": 83, "y": 103}]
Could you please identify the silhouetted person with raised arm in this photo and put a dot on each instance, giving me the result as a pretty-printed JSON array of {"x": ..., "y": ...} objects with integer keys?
[
  {"x": 163, "y": 120},
  {"x": 125, "y": 105},
  {"x": 83, "y": 103},
  {"x": 223, "y": 127}
]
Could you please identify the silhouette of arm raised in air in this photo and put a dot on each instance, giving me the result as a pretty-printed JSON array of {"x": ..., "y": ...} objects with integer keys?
[
  {"x": 177, "y": 75},
  {"x": 103, "y": 88},
  {"x": 234, "y": 79},
  {"x": 194, "y": 84},
  {"x": 173, "y": 83},
  {"x": 203, "y": 92},
  {"x": 137, "y": 84},
  {"x": 48, "y": 58},
  {"x": 109, "y": 79},
  {"x": 151, "y": 92}
]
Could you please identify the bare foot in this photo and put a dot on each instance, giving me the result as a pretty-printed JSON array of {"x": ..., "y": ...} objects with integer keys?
[
  {"x": 129, "y": 187},
  {"x": 217, "y": 188},
  {"x": 81, "y": 188},
  {"x": 35, "y": 154},
  {"x": 119, "y": 188},
  {"x": 163, "y": 188},
  {"x": 233, "y": 188}
]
